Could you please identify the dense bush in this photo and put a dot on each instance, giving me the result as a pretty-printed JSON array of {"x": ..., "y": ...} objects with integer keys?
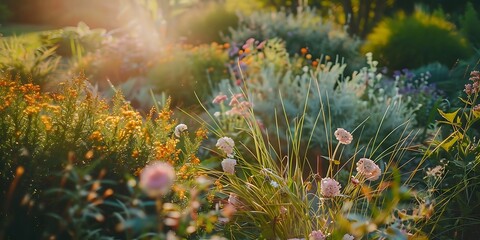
[
  {"x": 305, "y": 29},
  {"x": 72, "y": 144},
  {"x": 417, "y": 40},
  {"x": 184, "y": 70},
  {"x": 469, "y": 24},
  {"x": 28, "y": 59},
  {"x": 203, "y": 24},
  {"x": 5, "y": 12}
]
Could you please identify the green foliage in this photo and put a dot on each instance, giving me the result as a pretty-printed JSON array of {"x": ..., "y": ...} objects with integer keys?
[
  {"x": 29, "y": 60},
  {"x": 276, "y": 194},
  {"x": 469, "y": 25},
  {"x": 305, "y": 29},
  {"x": 72, "y": 41},
  {"x": 77, "y": 134},
  {"x": 183, "y": 71},
  {"x": 205, "y": 23},
  {"x": 406, "y": 41},
  {"x": 5, "y": 13},
  {"x": 84, "y": 204},
  {"x": 360, "y": 102},
  {"x": 453, "y": 177}
]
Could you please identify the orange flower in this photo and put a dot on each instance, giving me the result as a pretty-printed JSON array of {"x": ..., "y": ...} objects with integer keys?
[{"x": 304, "y": 51}]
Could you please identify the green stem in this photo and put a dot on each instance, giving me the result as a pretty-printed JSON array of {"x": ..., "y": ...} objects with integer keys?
[{"x": 331, "y": 160}]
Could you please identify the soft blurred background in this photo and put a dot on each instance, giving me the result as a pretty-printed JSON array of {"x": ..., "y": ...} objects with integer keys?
[{"x": 146, "y": 42}]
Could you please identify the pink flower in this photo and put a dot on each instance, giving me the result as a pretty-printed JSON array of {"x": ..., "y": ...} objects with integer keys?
[
  {"x": 330, "y": 187},
  {"x": 468, "y": 89},
  {"x": 474, "y": 76},
  {"x": 476, "y": 108},
  {"x": 248, "y": 43},
  {"x": 369, "y": 169},
  {"x": 316, "y": 235},
  {"x": 157, "y": 178},
  {"x": 343, "y": 136},
  {"x": 436, "y": 172},
  {"x": 228, "y": 165},
  {"x": 220, "y": 98},
  {"x": 235, "y": 99},
  {"x": 262, "y": 44},
  {"x": 226, "y": 144}
]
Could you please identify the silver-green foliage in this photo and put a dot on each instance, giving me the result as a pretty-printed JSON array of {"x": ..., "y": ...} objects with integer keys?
[
  {"x": 304, "y": 29},
  {"x": 379, "y": 117}
]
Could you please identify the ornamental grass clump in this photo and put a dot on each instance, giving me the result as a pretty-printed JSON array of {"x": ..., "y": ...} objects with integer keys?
[{"x": 271, "y": 194}]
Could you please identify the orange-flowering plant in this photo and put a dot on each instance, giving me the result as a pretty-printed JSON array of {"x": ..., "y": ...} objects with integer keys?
[{"x": 53, "y": 143}]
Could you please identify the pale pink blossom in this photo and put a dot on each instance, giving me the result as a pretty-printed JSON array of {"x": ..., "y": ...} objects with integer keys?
[
  {"x": 347, "y": 237},
  {"x": 226, "y": 144},
  {"x": 220, "y": 98},
  {"x": 343, "y": 136},
  {"x": 248, "y": 43},
  {"x": 369, "y": 169},
  {"x": 436, "y": 172},
  {"x": 261, "y": 45},
  {"x": 476, "y": 108},
  {"x": 468, "y": 89},
  {"x": 157, "y": 178},
  {"x": 316, "y": 235},
  {"x": 235, "y": 99},
  {"x": 228, "y": 165},
  {"x": 239, "y": 108},
  {"x": 179, "y": 129},
  {"x": 330, "y": 187}
]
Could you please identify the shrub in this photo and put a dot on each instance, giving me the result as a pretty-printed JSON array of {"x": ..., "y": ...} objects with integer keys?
[
  {"x": 72, "y": 41},
  {"x": 182, "y": 79},
  {"x": 468, "y": 25},
  {"x": 28, "y": 59},
  {"x": 305, "y": 29},
  {"x": 333, "y": 100},
  {"x": 5, "y": 12},
  {"x": 406, "y": 41},
  {"x": 204, "y": 24},
  {"x": 452, "y": 174},
  {"x": 63, "y": 151}
]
